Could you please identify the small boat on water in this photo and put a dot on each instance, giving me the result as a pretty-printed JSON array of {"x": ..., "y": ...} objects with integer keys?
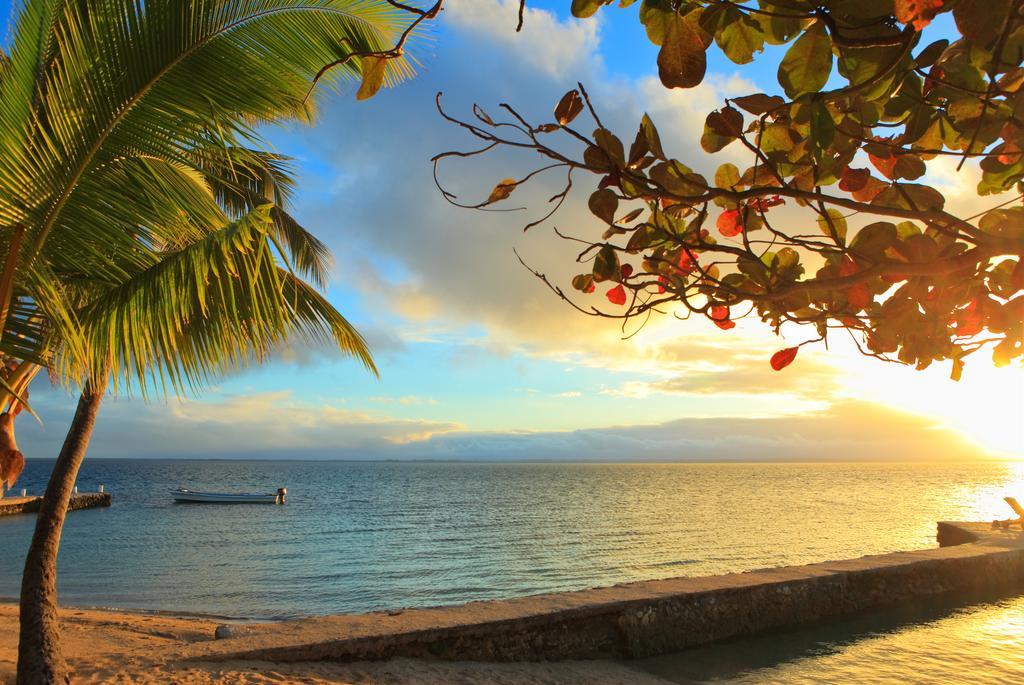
[{"x": 185, "y": 495}]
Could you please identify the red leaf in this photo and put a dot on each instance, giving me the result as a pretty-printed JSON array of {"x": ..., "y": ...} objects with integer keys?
[
  {"x": 1017, "y": 275},
  {"x": 935, "y": 75},
  {"x": 853, "y": 179},
  {"x": 625, "y": 271},
  {"x": 590, "y": 288},
  {"x": 848, "y": 267},
  {"x": 687, "y": 261},
  {"x": 887, "y": 165},
  {"x": 617, "y": 295},
  {"x": 720, "y": 315},
  {"x": 784, "y": 358},
  {"x": 859, "y": 296},
  {"x": 870, "y": 190},
  {"x": 763, "y": 204},
  {"x": 611, "y": 179},
  {"x": 730, "y": 223},
  {"x": 917, "y": 12},
  {"x": 970, "y": 320},
  {"x": 661, "y": 286},
  {"x": 1009, "y": 153}
]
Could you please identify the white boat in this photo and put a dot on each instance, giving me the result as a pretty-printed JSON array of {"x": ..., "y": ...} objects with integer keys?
[{"x": 184, "y": 495}]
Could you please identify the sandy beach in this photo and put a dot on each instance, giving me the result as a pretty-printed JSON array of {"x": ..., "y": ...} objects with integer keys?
[{"x": 119, "y": 647}]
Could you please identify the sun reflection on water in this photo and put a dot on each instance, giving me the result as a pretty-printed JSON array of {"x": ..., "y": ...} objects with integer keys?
[{"x": 986, "y": 503}]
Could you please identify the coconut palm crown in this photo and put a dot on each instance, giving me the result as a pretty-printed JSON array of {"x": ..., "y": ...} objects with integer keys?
[
  {"x": 144, "y": 234},
  {"x": 133, "y": 155}
]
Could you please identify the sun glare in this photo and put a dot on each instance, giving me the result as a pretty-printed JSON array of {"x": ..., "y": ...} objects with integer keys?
[{"x": 986, "y": 406}]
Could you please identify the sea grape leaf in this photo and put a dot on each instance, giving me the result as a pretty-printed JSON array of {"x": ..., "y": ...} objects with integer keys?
[
  {"x": 585, "y": 8},
  {"x": 682, "y": 61},
  {"x": 569, "y": 107},
  {"x": 834, "y": 225},
  {"x": 739, "y": 36},
  {"x": 758, "y": 103},
  {"x": 727, "y": 176},
  {"x": 606, "y": 265},
  {"x": 604, "y": 203},
  {"x": 808, "y": 62}
]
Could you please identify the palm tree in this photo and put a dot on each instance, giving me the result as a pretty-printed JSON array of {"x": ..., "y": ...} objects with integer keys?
[{"x": 129, "y": 132}]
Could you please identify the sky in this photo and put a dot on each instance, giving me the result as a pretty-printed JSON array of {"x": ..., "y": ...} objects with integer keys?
[{"x": 477, "y": 359}]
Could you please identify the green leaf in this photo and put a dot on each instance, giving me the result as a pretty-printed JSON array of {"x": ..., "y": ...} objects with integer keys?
[
  {"x": 808, "y": 62},
  {"x": 653, "y": 139},
  {"x": 641, "y": 239},
  {"x": 780, "y": 26},
  {"x": 834, "y": 225},
  {"x": 606, "y": 264},
  {"x": 585, "y": 8},
  {"x": 930, "y": 54},
  {"x": 612, "y": 146},
  {"x": 603, "y": 204},
  {"x": 1004, "y": 222},
  {"x": 656, "y": 15},
  {"x": 905, "y": 229},
  {"x": 786, "y": 259},
  {"x": 874, "y": 239},
  {"x": 739, "y": 36},
  {"x": 583, "y": 282},
  {"x": 777, "y": 137},
  {"x": 910, "y": 196},
  {"x": 754, "y": 269},
  {"x": 823, "y": 128},
  {"x": 727, "y": 176},
  {"x": 909, "y": 167},
  {"x": 721, "y": 128},
  {"x": 678, "y": 178},
  {"x": 980, "y": 20}
]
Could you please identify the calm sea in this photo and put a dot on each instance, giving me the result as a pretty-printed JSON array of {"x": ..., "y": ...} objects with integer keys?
[{"x": 359, "y": 536}]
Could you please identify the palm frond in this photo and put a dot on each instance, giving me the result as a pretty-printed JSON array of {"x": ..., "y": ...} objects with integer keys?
[
  {"x": 204, "y": 311},
  {"x": 171, "y": 73},
  {"x": 242, "y": 179}
]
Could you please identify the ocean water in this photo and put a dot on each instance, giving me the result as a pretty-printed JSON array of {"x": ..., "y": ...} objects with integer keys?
[
  {"x": 361, "y": 536},
  {"x": 954, "y": 640}
]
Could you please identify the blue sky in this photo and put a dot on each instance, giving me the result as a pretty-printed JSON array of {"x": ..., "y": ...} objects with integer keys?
[{"x": 477, "y": 359}]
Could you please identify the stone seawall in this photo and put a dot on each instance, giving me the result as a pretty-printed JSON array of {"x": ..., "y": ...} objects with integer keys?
[
  {"x": 646, "y": 618},
  {"x": 30, "y": 505}
]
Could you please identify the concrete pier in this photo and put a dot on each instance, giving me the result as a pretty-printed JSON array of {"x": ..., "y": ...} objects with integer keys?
[
  {"x": 30, "y": 505},
  {"x": 646, "y": 618}
]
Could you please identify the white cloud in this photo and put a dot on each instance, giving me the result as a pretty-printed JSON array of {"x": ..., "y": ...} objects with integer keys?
[
  {"x": 279, "y": 426},
  {"x": 555, "y": 47},
  {"x": 260, "y": 425},
  {"x": 834, "y": 434},
  {"x": 405, "y": 401}
]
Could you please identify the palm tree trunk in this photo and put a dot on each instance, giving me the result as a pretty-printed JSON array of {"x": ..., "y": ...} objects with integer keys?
[{"x": 39, "y": 657}]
